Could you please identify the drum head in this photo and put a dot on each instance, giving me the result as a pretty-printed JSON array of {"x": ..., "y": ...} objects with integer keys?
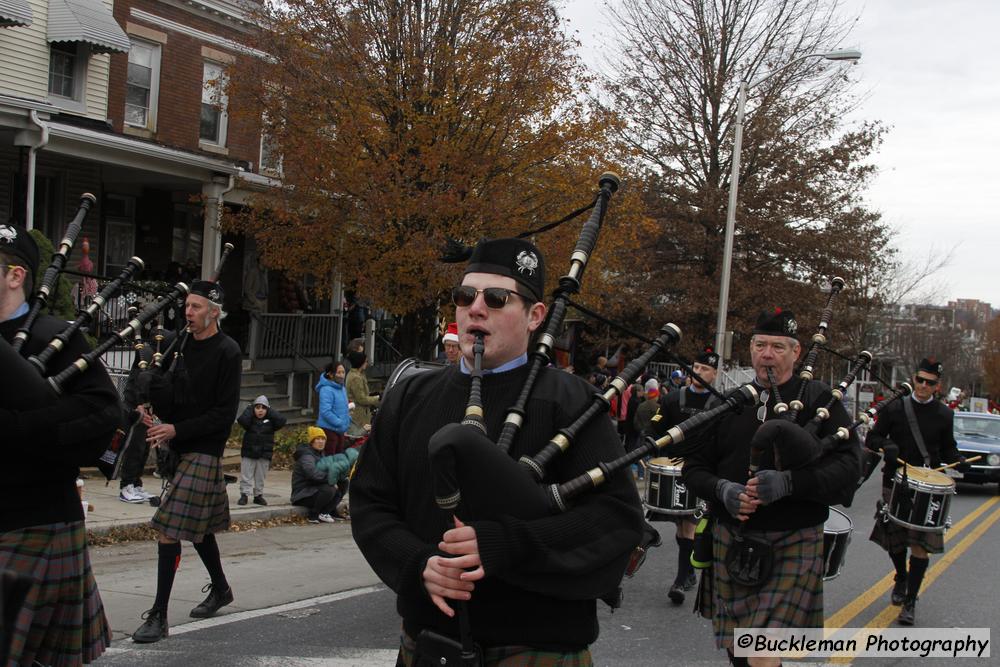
[
  {"x": 409, "y": 367},
  {"x": 665, "y": 465},
  {"x": 931, "y": 478},
  {"x": 838, "y": 522}
]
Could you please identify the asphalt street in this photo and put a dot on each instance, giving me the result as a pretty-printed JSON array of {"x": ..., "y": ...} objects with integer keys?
[{"x": 304, "y": 596}]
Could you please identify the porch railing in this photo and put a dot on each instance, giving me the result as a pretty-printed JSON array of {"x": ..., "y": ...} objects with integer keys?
[{"x": 293, "y": 335}]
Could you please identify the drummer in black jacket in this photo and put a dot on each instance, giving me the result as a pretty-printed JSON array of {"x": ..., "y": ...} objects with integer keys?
[
  {"x": 675, "y": 408},
  {"x": 895, "y": 436},
  {"x": 781, "y": 510}
]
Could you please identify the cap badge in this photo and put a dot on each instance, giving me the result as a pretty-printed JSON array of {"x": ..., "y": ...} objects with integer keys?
[
  {"x": 526, "y": 261},
  {"x": 7, "y": 234},
  {"x": 792, "y": 326}
]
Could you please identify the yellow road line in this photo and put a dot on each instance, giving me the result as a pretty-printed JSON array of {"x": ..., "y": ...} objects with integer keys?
[
  {"x": 842, "y": 618},
  {"x": 887, "y": 615}
]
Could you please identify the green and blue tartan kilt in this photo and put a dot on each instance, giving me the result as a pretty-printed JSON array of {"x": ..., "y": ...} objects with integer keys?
[
  {"x": 791, "y": 598},
  {"x": 895, "y": 538},
  {"x": 62, "y": 621},
  {"x": 506, "y": 656},
  {"x": 196, "y": 503}
]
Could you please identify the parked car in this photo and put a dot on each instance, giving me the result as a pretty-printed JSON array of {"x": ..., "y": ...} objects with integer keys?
[{"x": 978, "y": 434}]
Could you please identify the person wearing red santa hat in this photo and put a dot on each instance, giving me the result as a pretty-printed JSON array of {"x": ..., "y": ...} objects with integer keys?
[{"x": 452, "y": 351}]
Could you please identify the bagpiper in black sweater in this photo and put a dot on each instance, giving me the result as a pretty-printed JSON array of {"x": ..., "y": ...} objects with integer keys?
[{"x": 543, "y": 576}]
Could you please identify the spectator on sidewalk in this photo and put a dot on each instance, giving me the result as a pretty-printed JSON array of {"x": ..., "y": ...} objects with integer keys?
[
  {"x": 310, "y": 485},
  {"x": 358, "y": 392},
  {"x": 259, "y": 422},
  {"x": 334, "y": 409}
]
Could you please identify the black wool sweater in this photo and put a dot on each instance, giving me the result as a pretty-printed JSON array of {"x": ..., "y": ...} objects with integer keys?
[
  {"x": 725, "y": 454},
  {"x": 45, "y": 446},
  {"x": 205, "y": 407},
  {"x": 543, "y": 575},
  {"x": 937, "y": 427}
]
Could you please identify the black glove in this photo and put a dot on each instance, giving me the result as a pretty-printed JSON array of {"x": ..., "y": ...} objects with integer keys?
[
  {"x": 773, "y": 485},
  {"x": 962, "y": 465},
  {"x": 729, "y": 493}
]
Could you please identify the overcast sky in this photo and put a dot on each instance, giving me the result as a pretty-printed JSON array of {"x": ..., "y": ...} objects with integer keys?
[{"x": 932, "y": 77}]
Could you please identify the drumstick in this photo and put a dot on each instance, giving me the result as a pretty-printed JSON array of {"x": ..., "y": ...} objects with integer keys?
[
  {"x": 950, "y": 465},
  {"x": 958, "y": 463}
]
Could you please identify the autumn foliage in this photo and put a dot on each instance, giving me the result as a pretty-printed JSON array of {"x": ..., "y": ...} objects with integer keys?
[{"x": 402, "y": 123}]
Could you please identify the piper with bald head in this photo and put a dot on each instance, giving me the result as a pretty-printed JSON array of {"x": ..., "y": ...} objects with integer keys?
[
  {"x": 195, "y": 406},
  {"x": 768, "y": 564},
  {"x": 503, "y": 570}
]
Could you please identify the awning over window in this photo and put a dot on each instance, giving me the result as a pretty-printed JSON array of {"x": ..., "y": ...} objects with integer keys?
[
  {"x": 87, "y": 21},
  {"x": 14, "y": 12}
]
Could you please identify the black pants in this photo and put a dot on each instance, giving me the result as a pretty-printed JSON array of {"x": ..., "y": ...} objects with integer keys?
[
  {"x": 134, "y": 456},
  {"x": 324, "y": 501}
]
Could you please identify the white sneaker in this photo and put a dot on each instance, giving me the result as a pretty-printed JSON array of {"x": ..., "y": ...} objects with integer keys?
[
  {"x": 142, "y": 493},
  {"x": 326, "y": 518},
  {"x": 128, "y": 495}
]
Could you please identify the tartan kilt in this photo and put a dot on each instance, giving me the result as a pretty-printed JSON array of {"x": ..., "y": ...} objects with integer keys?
[
  {"x": 505, "y": 656},
  {"x": 895, "y": 538},
  {"x": 791, "y": 598},
  {"x": 62, "y": 621},
  {"x": 196, "y": 503}
]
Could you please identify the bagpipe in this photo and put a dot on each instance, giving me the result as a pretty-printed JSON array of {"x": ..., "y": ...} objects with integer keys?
[
  {"x": 30, "y": 382},
  {"x": 480, "y": 479}
]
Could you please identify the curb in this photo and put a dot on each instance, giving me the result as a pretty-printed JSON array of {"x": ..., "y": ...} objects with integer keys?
[{"x": 235, "y": 517}]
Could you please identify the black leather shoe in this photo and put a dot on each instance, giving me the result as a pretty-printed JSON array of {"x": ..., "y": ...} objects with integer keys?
[
  {"x": 676, "y": 594},
  {"x": 153, "y": 629},
  {"x": 908, "y": 614},
  {"x": 215, "y": 601},
  {"x": 243, "y": 499},
  {"x": 898, "y": 592},
  {"x": 259, "y": 500}
]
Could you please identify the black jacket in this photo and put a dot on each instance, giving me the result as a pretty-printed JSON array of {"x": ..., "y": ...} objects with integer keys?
[
  {"x": 258, "y": 435},
  {"x": 936, "y": 423}
]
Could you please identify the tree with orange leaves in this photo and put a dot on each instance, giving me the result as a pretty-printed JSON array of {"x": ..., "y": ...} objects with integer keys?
[{"x": 402, "y": 123}]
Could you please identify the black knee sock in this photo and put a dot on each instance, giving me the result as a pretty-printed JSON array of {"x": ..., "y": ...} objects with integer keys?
[
  {"x": 169, "y": 560},
  {"x": 208, "y": 550},
  {"x": 899, "y": 561},
  {"x": 684, "y": 568},
  {"x": 918, "y": 566}
]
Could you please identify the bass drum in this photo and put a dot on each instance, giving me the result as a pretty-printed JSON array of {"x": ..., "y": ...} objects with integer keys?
[{"x": 406, "y": 368}]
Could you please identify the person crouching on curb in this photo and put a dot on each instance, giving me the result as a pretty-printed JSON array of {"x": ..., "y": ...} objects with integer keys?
[
  {"x": 310, "y": 484},
  {"x": 259, "y": 422}
]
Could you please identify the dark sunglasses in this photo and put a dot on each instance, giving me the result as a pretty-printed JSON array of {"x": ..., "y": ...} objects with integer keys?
[
  {"x": 927, "y": 381},
  {"x": 494, "y": 297}
]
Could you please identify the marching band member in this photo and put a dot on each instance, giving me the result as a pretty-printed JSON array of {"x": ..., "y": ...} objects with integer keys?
[
  {"x": 204, "y": 394},
  {"x": 919, "y": 431},
  {"x": 675, "y": 408},
  {"x": 531, "y": 585},
  {"x": 784, "y": 508},
  {"x": 42, "y": 534}
]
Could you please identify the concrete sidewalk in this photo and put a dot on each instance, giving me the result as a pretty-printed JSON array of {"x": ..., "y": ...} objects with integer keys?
[{"x": 110, "y": 512}]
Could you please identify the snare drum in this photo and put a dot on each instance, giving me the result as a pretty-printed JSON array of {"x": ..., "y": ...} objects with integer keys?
[
  {"x": 924, "y": 502},
  {"x": 407, "y": 367},
  {"x": 665, "y": 491},
  {"x": 836, "y": 536}
]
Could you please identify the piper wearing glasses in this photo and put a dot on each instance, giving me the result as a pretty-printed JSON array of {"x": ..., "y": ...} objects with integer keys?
[
  {"x": 781, "y": 509},
  {"x": 531, "y": 585},
  {"x": 919, "y": 431}
]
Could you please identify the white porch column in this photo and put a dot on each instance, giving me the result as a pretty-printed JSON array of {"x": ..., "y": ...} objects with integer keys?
[{"x": 213, "y": 193}]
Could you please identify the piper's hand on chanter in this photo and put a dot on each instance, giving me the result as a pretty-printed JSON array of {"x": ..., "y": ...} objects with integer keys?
[
  {"x": 157, "y": 434},
  {"x": 770, "y": 486},
  {"x": 145, "y": 415},
  {"x": 454, "y": 577},
  {"x": 738, "y": 502}
]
